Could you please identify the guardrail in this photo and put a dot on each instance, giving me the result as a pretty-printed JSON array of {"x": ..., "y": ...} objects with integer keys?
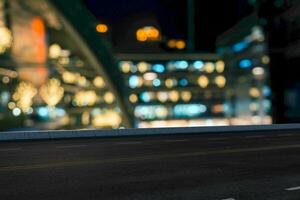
[{"x": 64, "y": 134}]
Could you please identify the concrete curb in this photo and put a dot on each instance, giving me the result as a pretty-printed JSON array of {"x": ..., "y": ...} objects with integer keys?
[{"x": 65, "y": 134}]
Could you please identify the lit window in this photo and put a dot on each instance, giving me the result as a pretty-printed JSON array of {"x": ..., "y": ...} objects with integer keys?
[
  {"x": 142, "y": 67},
  {"x": 135, "y": 81},
  {"x": 174, "y": 95},
  {"x": 258, "y": 71},
  {"x": 109, "y": 97},
  {"x": 254, "y": 92},
  {"x": 150, "y": 76},
  {"x": 180, "y": 44},
  {"x": 171, "y": 43},
  {"x": 146, "y": 96},
  {"x": 159, "y": 68},
  {"x": 133, "y": 98},
  {"x": 170, "y": 83},
  {"x": 183, "y": 82},
  {"x": 151, "y": 111},
  {"x": 125, "y": 66},
  {"x": 54, "y": 51},
  {"x": 147, "y": 33},
  {"x": 266, "y": 90},
  {"x": 162, "y": 96},
  {"x": 181, "y": 64},
  {"x": 220, "y": 81},
  {"x": 209, "y": 67},
  {"x": 220, "y": 66},
  {"x": 198, "y": 65},
  {"x": 203, "y": 81},
  {"x": 186, "y": 96},
  {"x": 265, "y": 60},
  {"x": 102, "y": 28},
  {"x": 240, "y": 46},
  {"x": 189, "y": 110},
  {"x": 99, "y": 82},
  {"x": 245, "y": 63},
  {"x": 156, "y": 82}
]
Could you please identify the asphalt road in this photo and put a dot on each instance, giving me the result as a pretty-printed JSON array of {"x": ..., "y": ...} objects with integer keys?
[{"x": 261, "y": 166}]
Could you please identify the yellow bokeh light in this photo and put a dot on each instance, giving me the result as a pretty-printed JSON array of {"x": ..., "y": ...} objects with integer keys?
[
  {"x": 99, "y": 82},
  {"x": 133, "y": 98},
  {"x": 85, "y": 98},
  {"x": 180, "y": 44},
  {"x": 209, "y": 67},
  {"x": 109, "y": 97},
  {"x": 171, "y": 43},
  {"x": 142, "y": 67},
  {"x": 108, "y": 119},
  {"x": 254, "y": 92},
  {"x": 85, "y": 118},
  {"x": 126, "y": 66},
  {"x": 141, "y": 35},
  {"x": 6, "y": 39},
  {"x": 102, "y": 28},
  {"x": 24, "y": 94},
  {"x": 5, "y": 79},
  {"x": 220, "y": 66},
  {"x": 69, "y": 77},
  {"x": 265, "y": 59},
  {"x": 54, "y": 51},
  {"x": 174, "y": 95},
  {"x": 220, "y": 81},
  {"x": 186, "y": 96},
  {"x": 169, "y": 83},
  {"x": 203, "y": 81},
  {"x": 11, "y": 105}
]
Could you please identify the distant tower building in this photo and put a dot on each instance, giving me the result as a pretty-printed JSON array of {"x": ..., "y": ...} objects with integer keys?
[{"x": 244, "y": 48}]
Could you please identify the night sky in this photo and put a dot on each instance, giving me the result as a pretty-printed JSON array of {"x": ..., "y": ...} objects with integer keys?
[{"x": 212, "y": 17}]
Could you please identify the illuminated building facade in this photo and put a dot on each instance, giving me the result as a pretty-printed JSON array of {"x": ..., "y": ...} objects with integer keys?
[
  {"x": 245, "y": 51},
  {"x": 175, "y": 89},
  {"x": 50, "y": 75}
]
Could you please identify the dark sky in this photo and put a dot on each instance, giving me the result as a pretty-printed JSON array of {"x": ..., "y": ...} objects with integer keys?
[{"x": 212, "y": 17}]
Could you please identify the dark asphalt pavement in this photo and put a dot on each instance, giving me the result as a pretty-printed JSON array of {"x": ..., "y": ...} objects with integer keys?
[{"x": 260, "y": 166}]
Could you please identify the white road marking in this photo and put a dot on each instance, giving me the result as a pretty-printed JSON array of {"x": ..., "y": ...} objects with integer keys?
[
  {"x": 11, "y": 149},
  {"x": 71, "y": 146},
  {"x": 293, "y": 188},
  {"x": 255, "y": 136},
  {"x": 176, "y": 140},
  {"x": 229, "y": 199},
  {"x": 128, "y": 143}
]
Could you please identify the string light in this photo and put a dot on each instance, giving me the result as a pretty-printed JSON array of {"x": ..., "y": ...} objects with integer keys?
[
  {"x": 5, "y": 39},
  {"x": 85, "y": 98},
  {"x": 52, "y": 92},
  {"x": 23, "y": 95}
]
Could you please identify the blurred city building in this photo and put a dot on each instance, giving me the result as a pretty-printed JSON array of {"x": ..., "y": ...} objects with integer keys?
[
  {"x": 175, "y": 89},
  {"x": 281, "y": 21},
  {"x": 148, "y": 64},
  {"x": 50, "y": 76},
  {"x": 244, "y": 48}
]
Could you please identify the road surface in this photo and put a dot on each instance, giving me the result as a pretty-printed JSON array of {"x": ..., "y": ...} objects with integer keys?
[{"x": 260, "y": 166}]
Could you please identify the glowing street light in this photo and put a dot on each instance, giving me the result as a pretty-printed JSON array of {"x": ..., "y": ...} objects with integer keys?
[
  {"x": 102, "y": 28},
  {"x": 147, "y": 33}
]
